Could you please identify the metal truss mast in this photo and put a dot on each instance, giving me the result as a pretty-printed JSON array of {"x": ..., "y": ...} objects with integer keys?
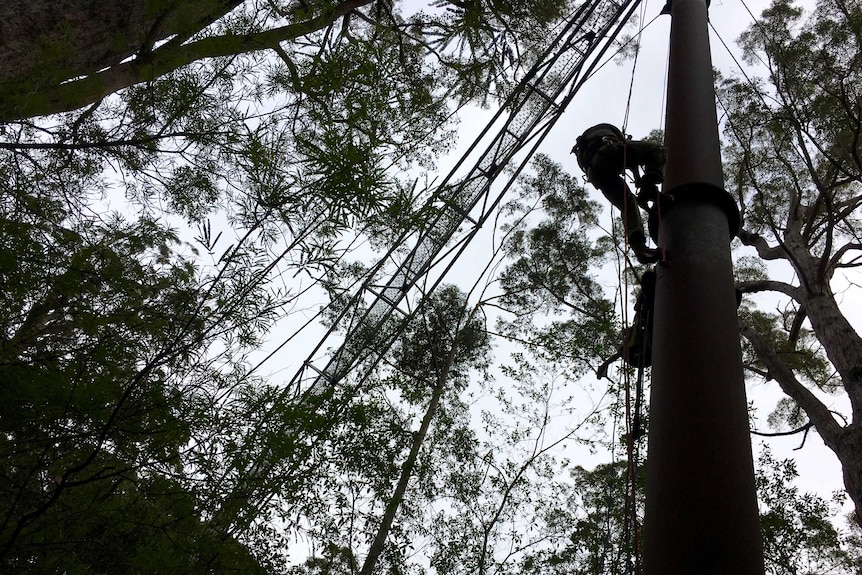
[
  {"x": 527, "y": 117},
  {"x": 373, "y": 316}
]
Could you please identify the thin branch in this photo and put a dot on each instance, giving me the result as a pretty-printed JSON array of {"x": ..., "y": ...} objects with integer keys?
[
  {"x": 804, "y": 430},
  {"x": 759, "y": 372},
  {"x": 602, "y": 370},
  {"x": 835, "y": 262},
  {"x": 139, "y": 142},
  {"x": 805, "y": 427}
]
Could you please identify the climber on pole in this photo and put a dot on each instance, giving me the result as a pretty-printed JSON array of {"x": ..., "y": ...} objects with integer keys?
[{"x": 604, "y": 153}]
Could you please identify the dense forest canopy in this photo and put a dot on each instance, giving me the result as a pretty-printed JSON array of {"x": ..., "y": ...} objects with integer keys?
[{"x": 176, "y": 175}]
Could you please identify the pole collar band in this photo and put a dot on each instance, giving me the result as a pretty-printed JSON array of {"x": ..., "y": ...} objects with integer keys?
[{"x": 699, "y": 191}]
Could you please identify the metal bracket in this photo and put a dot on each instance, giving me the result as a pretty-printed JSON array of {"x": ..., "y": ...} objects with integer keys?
[{"x": 700, "y": 191}]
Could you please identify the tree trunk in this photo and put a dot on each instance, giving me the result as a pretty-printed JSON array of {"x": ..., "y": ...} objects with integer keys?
[
  {"x": 407, "y": 468},
  {"x": 843, "y": 347},
  {"x": 842, "y": 344},
  {"x": 849, "y": 452},
  {"x": 398, "y": 495}
]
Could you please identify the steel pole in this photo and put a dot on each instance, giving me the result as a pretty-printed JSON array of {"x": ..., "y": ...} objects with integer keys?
[{"x": 701, "y": 507}]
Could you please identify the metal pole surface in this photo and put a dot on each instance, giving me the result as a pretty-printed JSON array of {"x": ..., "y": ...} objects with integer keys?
[{"x": 701, "y": 508}]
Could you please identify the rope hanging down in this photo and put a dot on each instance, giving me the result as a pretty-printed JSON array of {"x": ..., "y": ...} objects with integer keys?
[{"x": 638, "y": 352}]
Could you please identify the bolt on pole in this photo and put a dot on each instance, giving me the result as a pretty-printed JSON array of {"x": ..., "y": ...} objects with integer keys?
[{"x": 701, "y": 507}]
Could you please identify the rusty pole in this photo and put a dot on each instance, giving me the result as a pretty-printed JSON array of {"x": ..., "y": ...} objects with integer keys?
[{"x": 701, "y": 509}]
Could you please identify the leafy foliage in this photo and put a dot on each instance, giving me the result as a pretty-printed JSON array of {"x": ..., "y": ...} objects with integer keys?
[
  {"x": 550, "y": 272},
  {"x": 102, "y": 326},
  {"x": 135, "y": 437},
  {"x": 276, "y": 130},
  {"x": 798, "y": 534},
  {"x": 400, "y": 433},
  {"x": 793, "y": 161}
]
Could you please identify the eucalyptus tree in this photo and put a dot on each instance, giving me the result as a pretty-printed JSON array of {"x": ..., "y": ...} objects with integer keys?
[
  {"x": 402, "y": 432},
  {"x": 794, "y": 164},
  {"x": 472, "y": 475},
  {"x": 550, "y": 295}
]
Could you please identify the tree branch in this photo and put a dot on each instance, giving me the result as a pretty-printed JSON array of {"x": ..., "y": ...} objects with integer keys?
[
  {"x": 818, "y": 414},
  {"x": 762, "y": 373},
  {"x": 32, "y": 101},
  {"x": 764, "y": 250},
  {"x": 602, "y": 370},
  {"x": 804, "y": 429},
  {"x": 796, "y": 326},
  {"x": 137, "y": 142},
  {"x": 771, "y": 285},
  {"x": 839, "y": 253}
]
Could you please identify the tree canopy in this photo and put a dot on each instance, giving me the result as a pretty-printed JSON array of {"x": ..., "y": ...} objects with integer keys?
[
  {"x": 177, "y": 177},
  {"x": 793, "y": 154},
  {"x": 165, "y": 166}
]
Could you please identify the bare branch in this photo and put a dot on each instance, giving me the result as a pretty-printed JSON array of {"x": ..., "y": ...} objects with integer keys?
[
  {"x": 796, "y": 326},
  {"x": 835, "y": 262},
  {"x": 762, "y": 373},
  {"x": 602, "y": 370},
  {"x": 771, "y": 285},
  {"x": 764, "y": 250},
  {"x": 805, "y": 427}
]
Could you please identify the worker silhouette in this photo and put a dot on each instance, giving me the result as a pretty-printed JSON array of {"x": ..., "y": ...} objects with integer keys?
[
  {"x": 637, "y": 346},
  {"x": 604, "y": 153}
]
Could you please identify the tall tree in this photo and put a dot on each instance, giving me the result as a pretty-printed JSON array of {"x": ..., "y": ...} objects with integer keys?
[
  {"x": 798, "y": 534},
  {"x": 403, "y": 431},
  {"x": 55, "y": 42},
  {"x": 433, "y": 354},
  {"x": 794, "y": 163}
]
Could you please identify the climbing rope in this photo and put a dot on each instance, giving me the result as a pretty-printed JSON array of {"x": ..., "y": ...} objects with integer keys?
[{"x": 632, "y": 419}]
